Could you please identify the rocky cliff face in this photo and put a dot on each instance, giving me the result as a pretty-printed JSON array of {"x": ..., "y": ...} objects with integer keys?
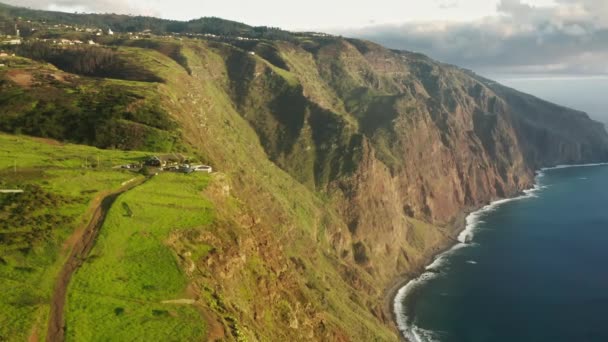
[
  {"x": 344, "y": 165},
  {"x": 403, "y": 144}
]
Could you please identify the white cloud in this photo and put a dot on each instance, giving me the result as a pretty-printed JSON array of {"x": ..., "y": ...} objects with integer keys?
[
  {"x": 568, "y": 36},
  {"x": 89, "y": 6}
]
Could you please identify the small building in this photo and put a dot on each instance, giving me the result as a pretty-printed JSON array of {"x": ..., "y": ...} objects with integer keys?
[
  {"x": 154, "y": 161},
  {"x": 110, "y": 32},
  {"x": 12, "y": 42},
  {"x": 10, "y": 191},
  {"x": 202, "y": 168},
  {"x": 166, "y": 160}
]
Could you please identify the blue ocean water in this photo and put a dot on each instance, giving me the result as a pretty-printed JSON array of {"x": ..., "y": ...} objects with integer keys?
[{"x": 536, "y": 269}]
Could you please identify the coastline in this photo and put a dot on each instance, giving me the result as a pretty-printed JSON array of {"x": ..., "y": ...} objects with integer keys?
[
  {"x": 464, "y": 228},
  {"x": 403, "y": 279}
]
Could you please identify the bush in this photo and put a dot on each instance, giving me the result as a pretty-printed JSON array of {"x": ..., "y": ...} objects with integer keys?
[{"x": 145, "y": 171}]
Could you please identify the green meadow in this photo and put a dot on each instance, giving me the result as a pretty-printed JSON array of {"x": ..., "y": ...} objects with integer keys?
[
  {"x": 59, "y": 181},
  {"x": 118, "y": 292}
]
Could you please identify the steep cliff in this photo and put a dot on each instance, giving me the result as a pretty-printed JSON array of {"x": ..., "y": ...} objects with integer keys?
[
  {"x": 344, "y": 165},
  {"x": 397, "y": 139}
]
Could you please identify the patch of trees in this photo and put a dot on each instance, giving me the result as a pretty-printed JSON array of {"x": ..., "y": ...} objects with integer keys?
[
  {"x": 169, "y": 49},
  {"x": 87, "y": 60},
  {"x": 30, "y": 217},
  {"x": 107, "y": 116}
]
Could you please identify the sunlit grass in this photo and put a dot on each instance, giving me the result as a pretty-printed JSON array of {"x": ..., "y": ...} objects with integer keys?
[
  {"x": 28, "y": 269},
  {"x": 118, "y": 292}
]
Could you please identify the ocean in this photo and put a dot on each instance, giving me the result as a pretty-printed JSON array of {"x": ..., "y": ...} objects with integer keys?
[{"x": 532, "y": 269}]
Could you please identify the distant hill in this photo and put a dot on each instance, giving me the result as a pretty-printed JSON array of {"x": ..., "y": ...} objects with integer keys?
[{"x": 126, "y": 23}]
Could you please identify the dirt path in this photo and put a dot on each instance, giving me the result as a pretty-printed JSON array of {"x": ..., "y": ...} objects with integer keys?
[
  {"x": 81, "y": 248},
  {"x": 179, "y": 301}
]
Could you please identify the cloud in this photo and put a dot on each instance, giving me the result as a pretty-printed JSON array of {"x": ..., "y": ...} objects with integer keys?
[
  {"x": 447, "y": 5},
  {"x": 570, "y": 37}
]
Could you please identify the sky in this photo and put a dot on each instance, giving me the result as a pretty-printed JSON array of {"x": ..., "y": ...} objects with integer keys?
[
  {"x": 565, "y": 37},
  {"x": 292, "y": 15},
  {"x": 542, "y": 37}
]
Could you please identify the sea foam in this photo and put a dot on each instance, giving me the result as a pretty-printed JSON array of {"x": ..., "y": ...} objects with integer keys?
[
  {"x": 406, "y": 324},
  {"x": 574, "y": 165}
]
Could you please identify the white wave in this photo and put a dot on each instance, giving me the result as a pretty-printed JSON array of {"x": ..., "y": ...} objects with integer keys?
[
  {"x": 407, "y": 328},
  {"x": 472, "y": 262},
  {"x": 574, "y": 165},
  {"x": 420, "y": 335},
  {"x": 474, "y": 219},
  {"x": 442, "y": 258}
]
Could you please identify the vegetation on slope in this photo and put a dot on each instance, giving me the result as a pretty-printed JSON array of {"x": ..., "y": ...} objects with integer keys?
[
  {"x": 40, "y": 100},
  {"x": 88, "y": 60},
  {"x": 123, "y": 290},
  {"x": 60, "y": 182}
]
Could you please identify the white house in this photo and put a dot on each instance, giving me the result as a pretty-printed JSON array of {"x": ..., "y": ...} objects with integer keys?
[
  {"x": 13, "y": 42},
  {"x": 201, "y": 168}
]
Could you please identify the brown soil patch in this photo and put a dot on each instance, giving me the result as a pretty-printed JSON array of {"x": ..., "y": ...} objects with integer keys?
[
  {"x": 48, "y": 141},
  {"x": 215, "y": 330},
  {"x": 33, "y": 335},
  {"x": 60, "y": 78},
  {"x": 20, "y": 77},
  {"x": 76, "y": 236}
]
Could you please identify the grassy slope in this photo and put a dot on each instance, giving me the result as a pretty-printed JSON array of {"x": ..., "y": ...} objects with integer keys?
[
  {"x": 28, "y": 267},
  {"x": 289, "y": 222}
]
